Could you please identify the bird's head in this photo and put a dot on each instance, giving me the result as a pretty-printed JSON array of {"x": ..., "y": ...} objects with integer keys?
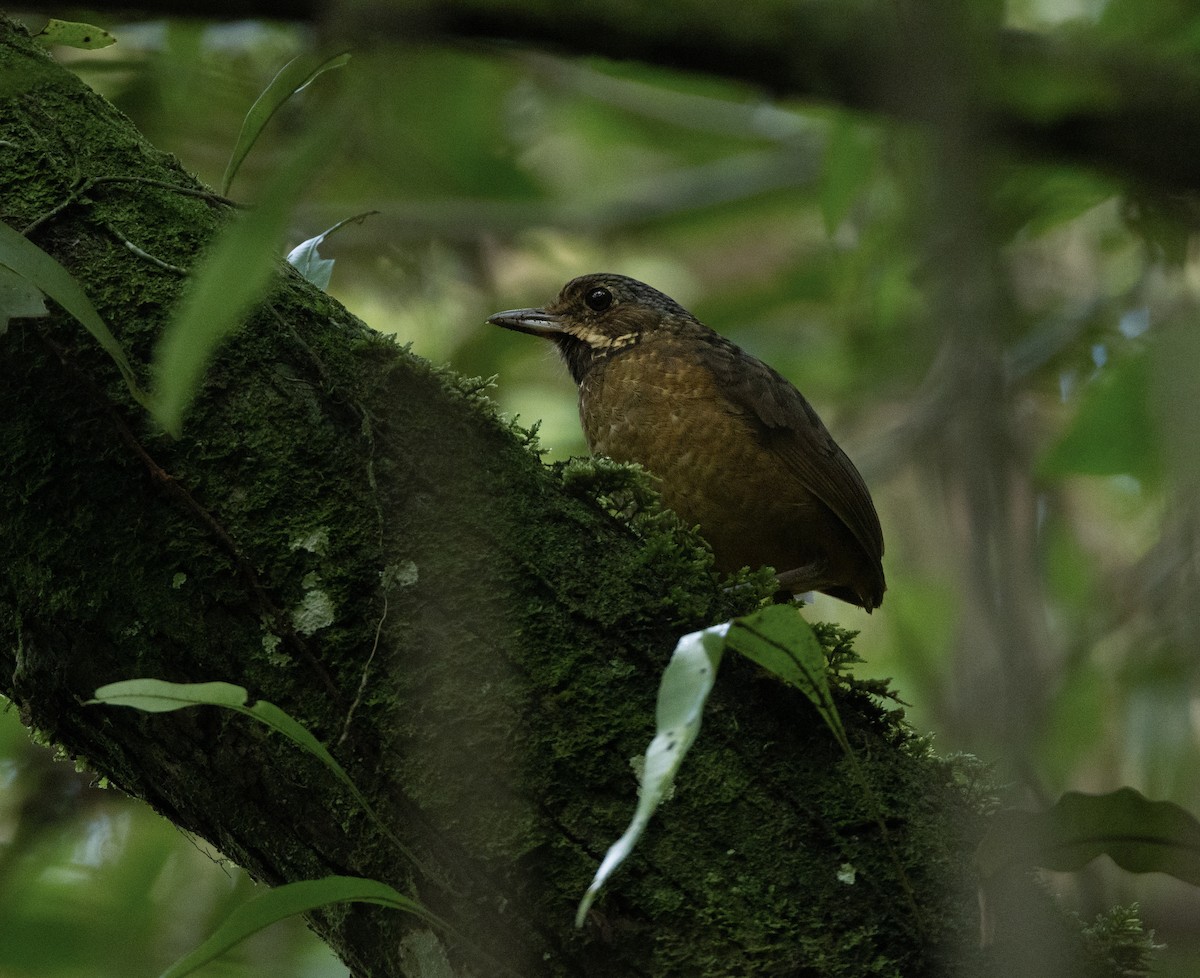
[{"x": 596, "y": 316}]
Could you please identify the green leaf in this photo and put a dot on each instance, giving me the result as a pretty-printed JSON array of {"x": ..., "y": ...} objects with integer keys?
[
  {"x": 686, "y": 683},
  {"x": 228, "y": 281},
  {"x": 31, "y": 263},
  {"x": 297, "y": 733},
  {"x": 312, "y": 266},
  {"x": 779, "y": 640},
  {"x": 293, "y": 77},
  {"x": 159, "y": 696},
  {"x": 1139, "y": 835},
  {"x": 73, "y": 34},
  {"x": 782, "y": 642},
  {"x": 19, "y": 298},
  {"x": 287, "y": 901}
]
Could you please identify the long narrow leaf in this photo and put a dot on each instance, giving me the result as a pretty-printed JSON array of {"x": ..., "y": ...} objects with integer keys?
[
  {"x": 31, "y": 263},
  {"x": 293, "y": 77},
  {"x": 686, "y": 683},
  {"x": 277, "y": 719},
  {"x": 160, "y": 696},
  {"x": 231, "y": 277},
  {"x": 287, "y": 901}
]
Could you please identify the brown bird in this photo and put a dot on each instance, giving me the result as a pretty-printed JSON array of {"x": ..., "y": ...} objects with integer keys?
[{"x": 737, "y": 450}]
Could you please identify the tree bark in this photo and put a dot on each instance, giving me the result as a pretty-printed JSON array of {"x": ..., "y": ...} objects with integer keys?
[{"x": 355, "y": 537}]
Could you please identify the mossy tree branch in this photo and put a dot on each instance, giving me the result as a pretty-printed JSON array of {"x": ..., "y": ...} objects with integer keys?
[{"x": 357, "y": 538}]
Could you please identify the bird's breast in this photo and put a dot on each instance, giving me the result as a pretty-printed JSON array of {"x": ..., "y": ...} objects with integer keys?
[{"x": 712, "y": 465}]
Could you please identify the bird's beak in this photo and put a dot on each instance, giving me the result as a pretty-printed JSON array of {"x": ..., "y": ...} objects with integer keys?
[{"x": 536, "y": 322}]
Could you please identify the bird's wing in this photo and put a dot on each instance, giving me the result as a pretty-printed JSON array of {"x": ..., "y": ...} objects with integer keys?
[{"x": 788, "y": 423}]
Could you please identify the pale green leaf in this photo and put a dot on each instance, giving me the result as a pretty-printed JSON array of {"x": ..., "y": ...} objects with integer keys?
[
  {"x": 159, "y": 696},
  {"x": 312, "y": 266},
  {"x": 686, "y": 683},
  {"x": 293, "y": 77}
]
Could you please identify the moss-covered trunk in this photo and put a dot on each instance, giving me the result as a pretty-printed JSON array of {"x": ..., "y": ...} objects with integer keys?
[{"x": 355, "y": 537}]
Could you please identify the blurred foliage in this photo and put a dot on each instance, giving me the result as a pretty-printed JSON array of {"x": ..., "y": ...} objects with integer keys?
[
  {"x": 94, "y": 884},
  {"x": 829, "y": 245}
]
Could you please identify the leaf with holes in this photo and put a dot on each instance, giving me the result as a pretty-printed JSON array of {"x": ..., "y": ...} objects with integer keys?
[
  {"x": 73, "y": 34},
  {"x": 686, "y": 683}
]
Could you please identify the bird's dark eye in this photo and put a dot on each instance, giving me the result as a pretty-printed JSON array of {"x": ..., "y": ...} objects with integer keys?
[{"x": 598, "y": 299}]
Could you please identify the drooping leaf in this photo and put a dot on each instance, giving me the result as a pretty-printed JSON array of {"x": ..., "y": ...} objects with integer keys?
[
  {"x": 308, "y": 262},
  {"x": 160, "y": 696},
  {"x": 1139, "y": 835},
  {"x": 288, "y": 901},
  {"x": 782, "y": 642},
  {"x": 31, "y": 263},
  {"x": 293, "y": 77},
  {"x": 686, "y": 683},
  {"x": 778, "y": 639},
  {"x": 312, "y": 266}
]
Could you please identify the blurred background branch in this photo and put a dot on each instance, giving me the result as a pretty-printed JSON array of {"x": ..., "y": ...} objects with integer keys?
[{"x": 1100, "y": 100}]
